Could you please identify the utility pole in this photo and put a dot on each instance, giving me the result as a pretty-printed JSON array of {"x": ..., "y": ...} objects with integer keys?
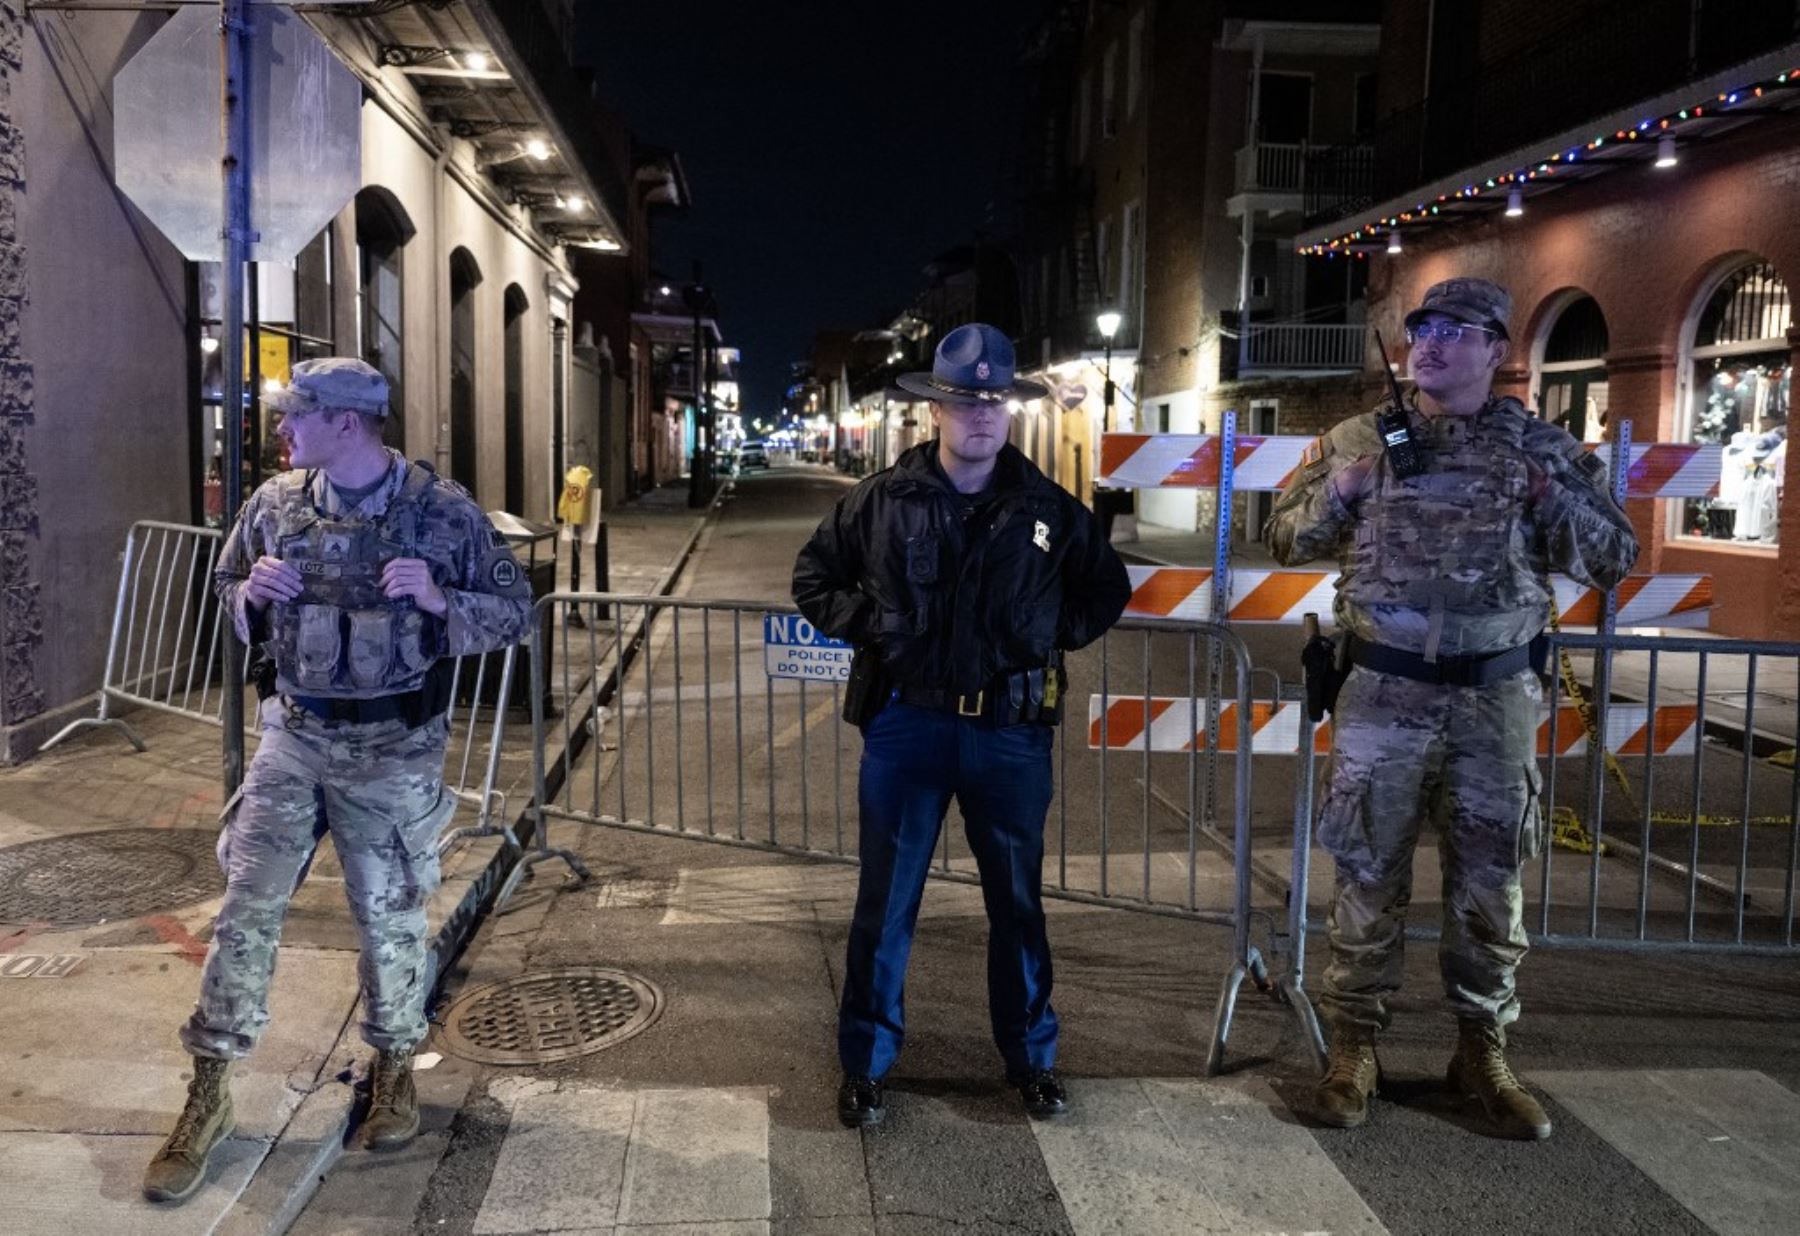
[
  {"x": 234, "y": 35},
  {"x": 699, "y": 467}
]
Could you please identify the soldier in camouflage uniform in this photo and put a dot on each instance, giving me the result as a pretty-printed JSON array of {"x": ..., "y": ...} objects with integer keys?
[
  {"x": 1444, "y": 588},
  {"x": 360, "y": 575}
]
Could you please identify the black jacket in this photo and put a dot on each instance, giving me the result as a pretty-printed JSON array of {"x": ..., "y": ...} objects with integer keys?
[{"x": 953, "y": 603}]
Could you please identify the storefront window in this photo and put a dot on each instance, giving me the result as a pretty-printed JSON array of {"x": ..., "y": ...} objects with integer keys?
[
  {"x": 288, "y": 311},
  {"x": 1739, "y": 391}
]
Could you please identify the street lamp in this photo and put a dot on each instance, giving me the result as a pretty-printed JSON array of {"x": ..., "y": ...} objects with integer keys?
[{"x": 1108, "y": 321}]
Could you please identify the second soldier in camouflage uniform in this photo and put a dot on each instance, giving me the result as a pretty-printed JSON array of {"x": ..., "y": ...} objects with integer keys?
[
  {"x": 1444, "y": 586},
  {"x": 358, "y": 573}
]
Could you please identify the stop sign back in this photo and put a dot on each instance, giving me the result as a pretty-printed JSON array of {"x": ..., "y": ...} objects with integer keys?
[{"x": 305, "y": 159}]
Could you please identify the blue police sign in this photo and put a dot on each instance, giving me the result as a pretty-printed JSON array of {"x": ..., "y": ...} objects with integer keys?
[{"x": 794, "y": 648}]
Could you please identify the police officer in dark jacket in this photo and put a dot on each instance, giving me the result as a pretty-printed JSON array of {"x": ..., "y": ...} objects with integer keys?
[{"x": 960, "y": 574}]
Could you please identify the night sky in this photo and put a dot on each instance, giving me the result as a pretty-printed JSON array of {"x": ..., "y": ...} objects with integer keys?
[{"x": 833, "y": 148}]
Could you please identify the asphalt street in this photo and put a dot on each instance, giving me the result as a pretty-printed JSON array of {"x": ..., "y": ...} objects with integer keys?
[{"x": 1672, "y": 1076}]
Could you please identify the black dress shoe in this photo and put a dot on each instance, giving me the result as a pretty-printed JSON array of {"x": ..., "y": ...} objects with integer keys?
[
  {"x": 861, "y": 1102},
  {"x": 1043, "y": 1093}
]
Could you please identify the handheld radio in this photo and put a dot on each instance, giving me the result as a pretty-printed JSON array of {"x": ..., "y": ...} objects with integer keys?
[{"x": 1404, "y": 455}]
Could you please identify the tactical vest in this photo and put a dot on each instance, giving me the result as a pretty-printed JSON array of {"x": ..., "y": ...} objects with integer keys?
[
  {"x": 341, "y": 637},
  {"x": 1454, "y": 542}
]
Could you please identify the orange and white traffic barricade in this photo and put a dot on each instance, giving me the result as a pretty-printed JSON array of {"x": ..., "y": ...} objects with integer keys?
[
  {"x": 1177, "y": 725},
  {"x": 1286, "y": 596},
  {"x": 1191, "y": 461}
]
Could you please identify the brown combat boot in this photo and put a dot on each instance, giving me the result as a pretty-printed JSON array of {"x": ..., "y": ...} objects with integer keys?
[
  {"x": 1351, "y": 1072},
  {"x": 179, "y": 1168},
  {"x": 393, "y": 1118},
  {"x": 1479, "y": 1070}
]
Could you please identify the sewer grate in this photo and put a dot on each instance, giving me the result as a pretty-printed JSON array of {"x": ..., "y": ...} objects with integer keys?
[
  {"x": 120, "y": 873},
  {"x": 550, "y": 1015}
]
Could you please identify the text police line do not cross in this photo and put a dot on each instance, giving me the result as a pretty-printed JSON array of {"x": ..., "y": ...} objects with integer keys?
[{"x": 794, "y": 648}]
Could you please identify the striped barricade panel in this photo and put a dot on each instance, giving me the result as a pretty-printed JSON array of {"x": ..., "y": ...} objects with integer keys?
[
  {"x": 1178, "y": 724},
  {"x": 1185, "y": 593},
  {"x": 1669, "y": 469},
  {"x": 1191, "y": 461}
]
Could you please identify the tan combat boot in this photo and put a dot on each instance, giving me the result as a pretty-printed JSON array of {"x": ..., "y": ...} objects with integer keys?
[
  {"x": 1351, "y": 1071},
  {"x": 393, "y": 1118},
  {"x": 1479, "y": 1070},
  {"x": 179, "y": 1167}
]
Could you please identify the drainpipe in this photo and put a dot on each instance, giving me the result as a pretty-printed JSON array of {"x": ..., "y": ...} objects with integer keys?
[
  {"x": 440, "y": 308},
  {"x": 1249, "y": 222}
]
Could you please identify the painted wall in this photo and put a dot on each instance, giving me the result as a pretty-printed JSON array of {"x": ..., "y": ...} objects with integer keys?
[{"x": 107, "y": 440}]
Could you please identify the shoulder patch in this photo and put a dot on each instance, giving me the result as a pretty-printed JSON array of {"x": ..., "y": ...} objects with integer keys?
[
  {"x": 1315, "y": 451},
  {"x": 504, "y": 573}
]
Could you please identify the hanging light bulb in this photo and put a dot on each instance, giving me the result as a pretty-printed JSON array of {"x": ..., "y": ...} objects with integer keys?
[
  {"x": 1515, "y": 204},
  {"x": 1394, "y": 241},
  {"x": 1665, "y": 151}
]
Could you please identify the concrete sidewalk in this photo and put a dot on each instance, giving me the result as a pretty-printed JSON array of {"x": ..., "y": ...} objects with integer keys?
[{"x": 108, "y": 889}]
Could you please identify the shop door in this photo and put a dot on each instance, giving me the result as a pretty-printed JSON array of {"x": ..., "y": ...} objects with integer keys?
[{"x": 1576, "y": 400}]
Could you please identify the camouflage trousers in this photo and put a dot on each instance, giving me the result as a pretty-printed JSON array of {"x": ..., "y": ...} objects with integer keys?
[
  {"x": 378, "y": 790},
  {"x": 1465, "y": 757}
]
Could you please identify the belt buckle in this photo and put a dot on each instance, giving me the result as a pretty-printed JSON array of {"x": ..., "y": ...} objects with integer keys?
[{"x": 962, "y": 701}]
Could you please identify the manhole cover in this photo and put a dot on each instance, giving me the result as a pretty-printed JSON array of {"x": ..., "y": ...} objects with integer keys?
[
  {"x": 98, "y": 877},
  {"x": 552, "y": 1015}
]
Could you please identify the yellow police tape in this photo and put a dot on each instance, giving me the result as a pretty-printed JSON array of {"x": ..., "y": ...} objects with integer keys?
[{"x": 1566, "y": 829}]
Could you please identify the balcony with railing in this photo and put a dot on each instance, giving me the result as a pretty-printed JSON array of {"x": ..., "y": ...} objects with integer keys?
[
  {"x": 1295, "y": 347},
  {"x": 1271, "y": 177}
]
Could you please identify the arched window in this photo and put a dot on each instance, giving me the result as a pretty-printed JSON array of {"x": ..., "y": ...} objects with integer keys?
[
  {"x": 1572, "y": 390},
  {"x": 1738, "y": 394},
  {"x": 382, "y": 231},
  {"x": 515, "y": 305},
  {"x": 465, "y": 276}
]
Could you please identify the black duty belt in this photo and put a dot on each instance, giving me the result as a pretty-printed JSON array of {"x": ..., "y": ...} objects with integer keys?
[
  {"x": 408, "y": 706},
  {"x": 1470, "y": 671},
  {"x": 1016, "y": 698}
]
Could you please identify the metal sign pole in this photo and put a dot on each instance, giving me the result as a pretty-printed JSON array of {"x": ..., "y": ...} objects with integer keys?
[
  {"x": 235, "y": 132},
  {"x": 1221, "y": 607}
]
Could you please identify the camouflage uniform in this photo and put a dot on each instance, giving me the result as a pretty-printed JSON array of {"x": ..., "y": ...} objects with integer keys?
[
  {"x": 1452, "y": 562},
  {"x": 377, "y": 786}
]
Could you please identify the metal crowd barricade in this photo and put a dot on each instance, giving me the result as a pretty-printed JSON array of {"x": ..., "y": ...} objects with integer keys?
[
  {"x": 164, "y": 654},
  {"x": 164, "y": 650},
  {"x": 1686, "y": 831},
  {"x": 664, "y": 720}
]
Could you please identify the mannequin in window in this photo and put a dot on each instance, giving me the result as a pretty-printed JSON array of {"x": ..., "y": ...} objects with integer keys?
[
  {"x": 1758, "y": 505},
  {"x": 1735, "y": 465}
]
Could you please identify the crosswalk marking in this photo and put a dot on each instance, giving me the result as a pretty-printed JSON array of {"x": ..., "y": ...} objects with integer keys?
[
  {"x": 1725, "y": 1143},
  {"x": 590, "y": 1159},
  {"x": 1149, "y": 1157}
]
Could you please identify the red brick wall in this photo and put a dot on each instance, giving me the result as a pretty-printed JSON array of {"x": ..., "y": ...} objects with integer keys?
[
  {"x": 1180, "y": 71},
  {"x": 1647, "y": 246}
]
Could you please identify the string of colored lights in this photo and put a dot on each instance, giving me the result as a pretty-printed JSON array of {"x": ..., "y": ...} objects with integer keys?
[{"x": 1547, "y": 165}]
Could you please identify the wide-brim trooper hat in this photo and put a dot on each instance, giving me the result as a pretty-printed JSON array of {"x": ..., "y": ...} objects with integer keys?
[
  {"x": 974, "y": 364},
  {"x": 341, "y": 382}
]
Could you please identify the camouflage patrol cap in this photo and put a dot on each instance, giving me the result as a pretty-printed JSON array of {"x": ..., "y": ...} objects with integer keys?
[
  {"x": 332, "y": 382},
  {"x": 1476, "y": 301}
]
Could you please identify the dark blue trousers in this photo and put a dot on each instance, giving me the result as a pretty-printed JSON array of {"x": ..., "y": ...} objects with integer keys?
[{"x": 914, "y": 761}]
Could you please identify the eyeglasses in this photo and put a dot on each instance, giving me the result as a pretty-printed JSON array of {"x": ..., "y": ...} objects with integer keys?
[{"x": 1448, "y": 332}]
